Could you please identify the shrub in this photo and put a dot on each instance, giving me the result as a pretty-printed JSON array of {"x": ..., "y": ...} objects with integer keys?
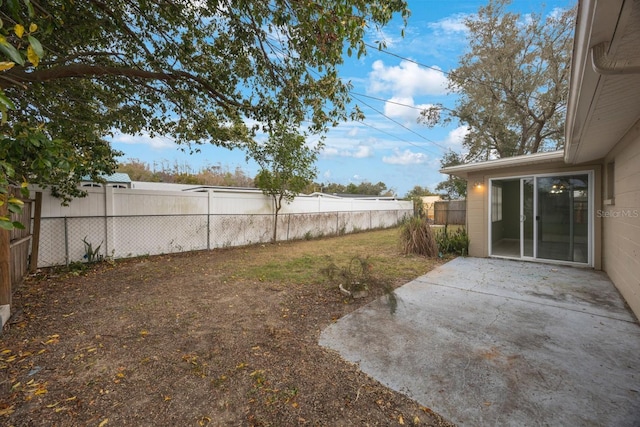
[
  {"x": 356, "y": 279},
  {"x": 416, "y": 237},
  {"x": 455, "y": 242}
]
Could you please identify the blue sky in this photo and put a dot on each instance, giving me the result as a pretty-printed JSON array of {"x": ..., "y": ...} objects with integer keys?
[{"x": 389, "y": 146}]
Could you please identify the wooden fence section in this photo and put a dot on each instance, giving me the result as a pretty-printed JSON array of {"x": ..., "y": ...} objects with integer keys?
[
  {"x": 452, "y": 212},
  {"x": 20, "y": 243}
]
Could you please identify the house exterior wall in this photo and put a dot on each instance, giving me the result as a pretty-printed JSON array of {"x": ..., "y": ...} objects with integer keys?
[
  {"x": 478, "y": 202},
  {"x": 621, "y": 219}
]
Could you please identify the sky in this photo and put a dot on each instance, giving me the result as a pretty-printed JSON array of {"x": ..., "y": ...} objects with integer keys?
[{"x": 390, "y": 87}]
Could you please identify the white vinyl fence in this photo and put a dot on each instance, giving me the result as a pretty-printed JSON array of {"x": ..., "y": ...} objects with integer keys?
[{"x": 123, "y": 223}]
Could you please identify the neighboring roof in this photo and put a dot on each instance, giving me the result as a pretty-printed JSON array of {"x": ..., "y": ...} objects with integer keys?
[
  {"x": 117, "y": 177},
  {"x": 526, "y": 160},
  {"x": 603, "y": 105}
]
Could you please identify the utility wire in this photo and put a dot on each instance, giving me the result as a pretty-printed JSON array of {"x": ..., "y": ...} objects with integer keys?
[
  {"x": 402, "y": 126},
  {"x": 491, "y": 84}
]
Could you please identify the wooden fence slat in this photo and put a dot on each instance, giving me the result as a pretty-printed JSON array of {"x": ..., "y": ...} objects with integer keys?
[
  {"x": 19, "y": 244},
  {"x": 453, "y": 212}
]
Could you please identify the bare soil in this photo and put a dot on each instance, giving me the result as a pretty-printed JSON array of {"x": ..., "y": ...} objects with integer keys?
[{"x": 222, "y": 337}]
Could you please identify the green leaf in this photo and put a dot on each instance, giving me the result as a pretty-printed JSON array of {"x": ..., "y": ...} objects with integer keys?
[
  {"x": 12, "y": 53},
  {"x": 29, "y": 7},
  {"x": 14, "y": 208},
  {"x": 6, "y": 102},
  {"x": 7, "y": 225},
  {"x": 35, "y": 44},
  {"x": 18, "y": 225}
]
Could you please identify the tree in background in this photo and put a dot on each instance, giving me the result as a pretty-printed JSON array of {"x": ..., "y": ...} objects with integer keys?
[
  {"x": 365, "y": 188},
  {"x": 453, "y": 188},
  {"x": 415, "y": 195},
  {"x": 512, "y": 82},
  {"x": 193, "y": 70},
  {"x": 182, "y": 173},
  {"x": 286, "y": 167}
]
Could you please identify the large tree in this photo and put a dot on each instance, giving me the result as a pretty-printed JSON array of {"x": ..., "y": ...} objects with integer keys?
[
  {"x": 197, "y": 71},
  {"x": 512, "y": 82}
]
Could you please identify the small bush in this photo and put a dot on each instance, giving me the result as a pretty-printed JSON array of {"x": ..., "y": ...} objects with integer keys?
[
  {"x": 356, "y": 279},
  {"x": 455, "y": 242},
  {"x": 416, "y": 237}
]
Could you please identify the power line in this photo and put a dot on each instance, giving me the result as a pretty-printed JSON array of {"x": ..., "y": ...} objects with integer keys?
[
  {"x": 490, "y": 84},
  {"x": 403, "y": 126}
]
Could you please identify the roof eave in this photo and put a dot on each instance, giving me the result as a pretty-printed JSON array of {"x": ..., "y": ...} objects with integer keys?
[{"x": 463, "y": 171}]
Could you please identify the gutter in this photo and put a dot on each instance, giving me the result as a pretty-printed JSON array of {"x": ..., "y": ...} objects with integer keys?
[{"x": 605, "y": 65}]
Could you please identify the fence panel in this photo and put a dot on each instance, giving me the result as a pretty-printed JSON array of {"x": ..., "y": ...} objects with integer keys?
[
  {"x": 154, "y": 235},
  {"x": 452, "y": 212},
  {"x": 52, "y": 242},
  {"x": 65, "y": 240},
  {"x": 239, "y": 230},
  {"x": 310, "y": 225},
  {"x": 20, "y": 242}
]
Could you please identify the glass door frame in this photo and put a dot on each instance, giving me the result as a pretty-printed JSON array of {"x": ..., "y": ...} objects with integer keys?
[
  {"x": 523, "y": 218},
  {"x": 534, "y": 177}
]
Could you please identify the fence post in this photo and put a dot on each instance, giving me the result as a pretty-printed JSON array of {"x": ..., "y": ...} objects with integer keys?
[
  {"x": 337, "y": 223},
  {"x": 288, "y": 224},
  {"x": 35, "y": 238},
  {"x": 66, "y": 242},
  {"x": 208, "y": 220}
]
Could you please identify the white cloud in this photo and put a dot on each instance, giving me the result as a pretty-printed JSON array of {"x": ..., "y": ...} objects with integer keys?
[
  {"x": 363, "y": 151},
  {"x": 406, "y": 157},
  {"x": 455, "y": 138},
  {"x": 353, "y": 132},
  {"x": 451, "y": 24},
  {"x": 156, "y": 143},
  {"x": 404, "y": 109},
  {"x": 406, "y": 80},
  {"x": 357, "y": 152}
]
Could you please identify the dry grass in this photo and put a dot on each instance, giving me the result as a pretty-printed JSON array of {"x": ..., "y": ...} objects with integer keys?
[
  {"x": 418, "y": 238},
  {"x": 223, "y": 337}
]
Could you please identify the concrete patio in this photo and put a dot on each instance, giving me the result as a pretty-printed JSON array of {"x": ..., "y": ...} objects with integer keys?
[{"x": 498, "y": 342}]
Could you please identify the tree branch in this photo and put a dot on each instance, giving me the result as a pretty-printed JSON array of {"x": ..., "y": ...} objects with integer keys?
[{"x": 19, "y": 76}]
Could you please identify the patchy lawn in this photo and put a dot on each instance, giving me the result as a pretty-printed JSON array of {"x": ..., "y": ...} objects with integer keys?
[{"x": 222, "y": 337}]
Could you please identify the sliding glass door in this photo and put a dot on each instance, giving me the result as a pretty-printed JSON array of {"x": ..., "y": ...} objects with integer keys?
[
  {"x": 563, "y": 220},
  {"x": 541, "y": 217}
]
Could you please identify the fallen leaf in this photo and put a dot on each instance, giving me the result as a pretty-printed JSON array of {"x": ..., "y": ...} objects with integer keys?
[
  {"x": 204, "y": 421},
  {"x": 401, "y": 420},
  {"x": 103, "y": 422},
  {"x": 7, "y": 411}
]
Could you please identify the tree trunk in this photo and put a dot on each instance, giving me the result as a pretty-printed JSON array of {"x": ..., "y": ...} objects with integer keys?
[{"x": 277, "y": 205}]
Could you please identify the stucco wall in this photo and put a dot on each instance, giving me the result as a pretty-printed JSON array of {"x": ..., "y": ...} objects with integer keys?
[{"x": 621, "y": 220}]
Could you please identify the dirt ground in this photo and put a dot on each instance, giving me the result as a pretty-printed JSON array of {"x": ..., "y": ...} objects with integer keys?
[{"x": 189, "y": 339}]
